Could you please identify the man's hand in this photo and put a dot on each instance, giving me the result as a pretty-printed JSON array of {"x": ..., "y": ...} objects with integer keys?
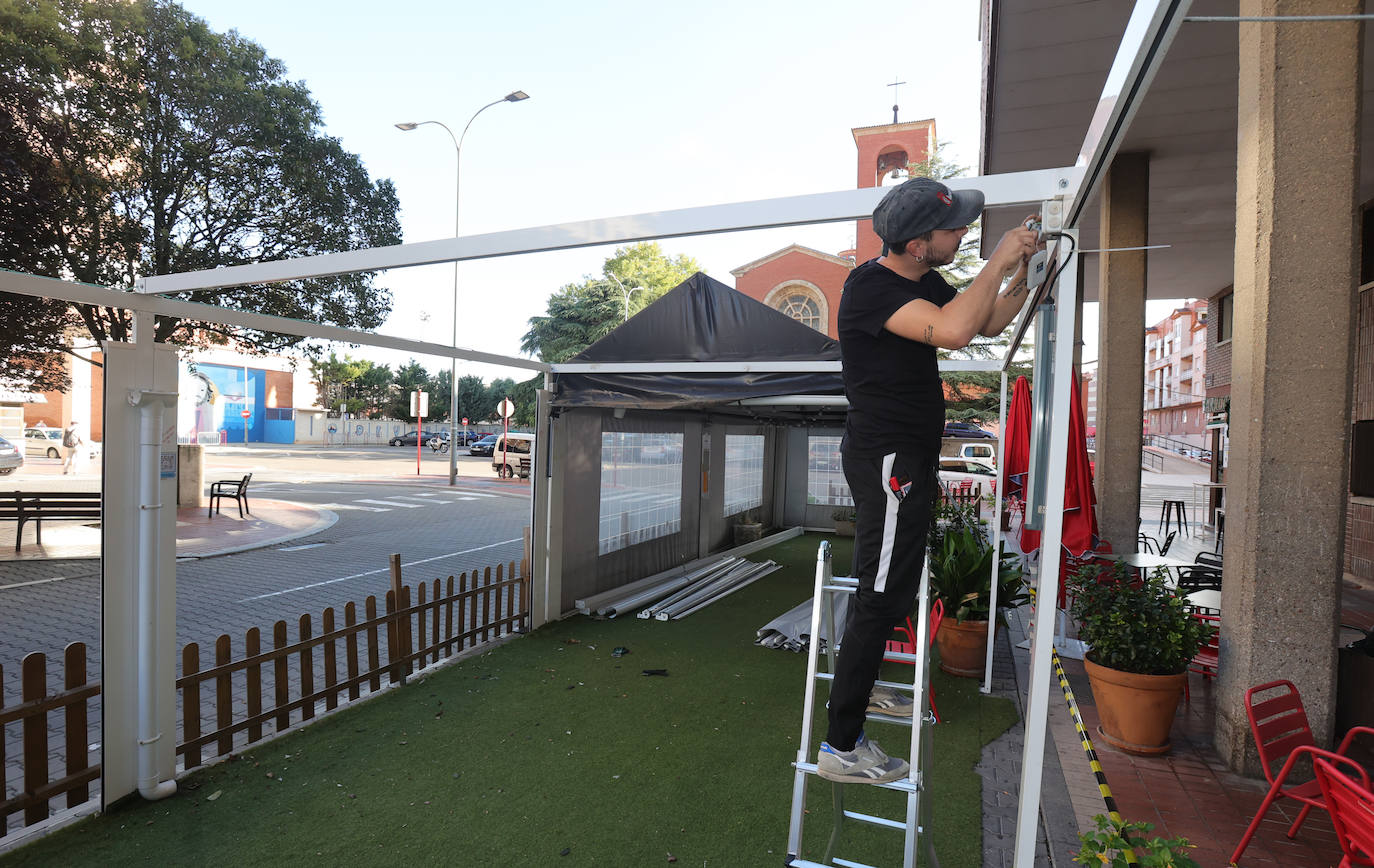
[{"x": 1014, "y": 249}]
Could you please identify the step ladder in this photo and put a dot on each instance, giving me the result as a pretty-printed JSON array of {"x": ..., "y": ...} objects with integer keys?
[{"x": 920, "y": 723}]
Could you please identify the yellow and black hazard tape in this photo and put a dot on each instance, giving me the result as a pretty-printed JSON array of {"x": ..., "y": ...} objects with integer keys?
[{"x": 1087, "y": 743}]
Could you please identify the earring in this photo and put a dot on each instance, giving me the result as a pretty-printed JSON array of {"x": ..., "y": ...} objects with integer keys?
[{"x": 919, "y": 258}]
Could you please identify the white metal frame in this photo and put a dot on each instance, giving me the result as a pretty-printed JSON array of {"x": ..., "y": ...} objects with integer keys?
[{"x": 1076, "y": 186}]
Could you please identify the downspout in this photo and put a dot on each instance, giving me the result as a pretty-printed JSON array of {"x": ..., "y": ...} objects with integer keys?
[{"x": 150, "y": 405}]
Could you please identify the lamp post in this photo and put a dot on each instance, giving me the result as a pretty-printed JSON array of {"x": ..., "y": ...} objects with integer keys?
[
  {"x": 625, "y": 292},
  {"x": 513, "y": 96}
]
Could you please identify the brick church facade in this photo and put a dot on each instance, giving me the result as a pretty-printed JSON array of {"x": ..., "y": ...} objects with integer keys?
[{"x": 805, "y": 283}]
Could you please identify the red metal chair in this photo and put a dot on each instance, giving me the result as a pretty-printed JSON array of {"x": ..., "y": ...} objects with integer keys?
[
  {"x": 1207, "y": 659},
  {"x": 1282, "y": 734},
  {"x": 903, "y": 641},
  {"x": 1351, "y": 805}
]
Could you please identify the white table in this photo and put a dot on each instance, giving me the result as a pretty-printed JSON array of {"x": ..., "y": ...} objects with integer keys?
[
  {"x": 1148, "y": 561},
  {"x": 1206, "y": 600}
]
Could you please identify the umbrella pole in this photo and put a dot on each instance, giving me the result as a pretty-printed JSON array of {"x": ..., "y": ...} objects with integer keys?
[{"x": 997, "y": 530}]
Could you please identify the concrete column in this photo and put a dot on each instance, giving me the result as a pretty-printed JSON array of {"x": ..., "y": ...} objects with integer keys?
[
  {"x": 1298, "y": 157},
  {"x": 1121, "y": 348}
]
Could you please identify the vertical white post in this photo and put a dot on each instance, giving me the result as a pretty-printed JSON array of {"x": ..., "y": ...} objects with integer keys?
[
  {"x": 996, "y": 534},
  {"x": 1051, "y": 557}
]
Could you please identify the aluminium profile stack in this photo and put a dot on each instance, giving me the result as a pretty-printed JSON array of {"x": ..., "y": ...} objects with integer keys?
[{"x": 746, "y": 574}]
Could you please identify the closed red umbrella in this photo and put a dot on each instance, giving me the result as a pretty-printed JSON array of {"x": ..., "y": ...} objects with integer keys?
[
  {"x": 1080, "y": 501},
  {"x": 1080, "y": 531},
  {"x": 1016, "y": 460}
]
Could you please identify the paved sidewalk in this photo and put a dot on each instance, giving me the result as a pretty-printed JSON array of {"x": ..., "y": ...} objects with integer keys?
[{"x": 271, "y": 522}]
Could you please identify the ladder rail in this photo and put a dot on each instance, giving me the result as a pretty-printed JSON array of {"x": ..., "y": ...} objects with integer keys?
[{"x": 794, "y": 829}]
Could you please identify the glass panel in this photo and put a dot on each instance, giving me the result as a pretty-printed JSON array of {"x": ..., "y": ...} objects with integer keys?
[
  {"x": 825, "y": 484},
  {"x": 743, "y": 472},
  {"x": 641, "y": 488}
]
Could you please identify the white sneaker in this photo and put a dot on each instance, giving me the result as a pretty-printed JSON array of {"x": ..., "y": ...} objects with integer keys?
[
  {"x": 885, "y": 700},
  {"x": 865, "y": 764}
]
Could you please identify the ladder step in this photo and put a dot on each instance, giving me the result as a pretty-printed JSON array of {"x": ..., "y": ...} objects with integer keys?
[
  {"x": 895, "y": 685},
  {"x": 875, "y": 820},
  {"x": 901, "y": 785},
  {"x": 807, "y": 863}
]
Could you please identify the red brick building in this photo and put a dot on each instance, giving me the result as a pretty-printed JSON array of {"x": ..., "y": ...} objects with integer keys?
[{"x": 805, "y": 283}]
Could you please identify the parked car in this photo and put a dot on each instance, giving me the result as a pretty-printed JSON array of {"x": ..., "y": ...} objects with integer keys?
[
  {"x": 483, "y": 446},
  {"x": 10, "y": 457},
  {"x": 966, "y": 429},
  {"x": 982, "y": 451},
  {"x": 954, "y": 471},
  {"x": 43, "y": 442},
  {"x": 510, "y": 448},
  {"x": 410, "y": 438}
]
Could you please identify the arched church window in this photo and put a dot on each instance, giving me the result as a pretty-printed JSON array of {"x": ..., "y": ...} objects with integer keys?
[{"x": 802, "y": 309}]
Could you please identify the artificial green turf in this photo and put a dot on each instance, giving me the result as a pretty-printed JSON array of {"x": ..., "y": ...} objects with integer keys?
[{"x": 550, "y": 751}]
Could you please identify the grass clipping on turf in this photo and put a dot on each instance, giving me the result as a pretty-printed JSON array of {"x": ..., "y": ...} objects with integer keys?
[{"x": 550, "y": 750}]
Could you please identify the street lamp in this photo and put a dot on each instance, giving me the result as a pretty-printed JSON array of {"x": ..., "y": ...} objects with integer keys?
[
  {"x": 626, "y": 292},
  {"x": 513, "y": 96}
]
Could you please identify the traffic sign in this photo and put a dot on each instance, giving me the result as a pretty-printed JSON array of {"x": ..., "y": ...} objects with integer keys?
[
  {"x": 246, "y": 413},
  {"x": 506, "y": 408},
  {"x": 465, "y": 420}
]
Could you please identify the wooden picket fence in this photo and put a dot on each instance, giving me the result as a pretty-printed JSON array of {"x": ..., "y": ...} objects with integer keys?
[{"x": 279, "y": 685}]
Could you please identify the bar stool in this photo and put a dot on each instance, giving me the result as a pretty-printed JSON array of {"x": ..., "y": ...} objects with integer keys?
[
  {"x": 1221, "y": 527},
  {"x": 1172, "y": 510}
]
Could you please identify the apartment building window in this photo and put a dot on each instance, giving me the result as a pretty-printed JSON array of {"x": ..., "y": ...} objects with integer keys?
[{"x": 1225, "y": 311}]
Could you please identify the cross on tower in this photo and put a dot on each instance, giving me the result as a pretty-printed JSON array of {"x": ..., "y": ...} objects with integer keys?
[{"x": 894, "y": 85}]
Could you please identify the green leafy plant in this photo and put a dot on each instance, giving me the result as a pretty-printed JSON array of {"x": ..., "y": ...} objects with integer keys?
[
  {"x": 1113, "y": 839},
  {"x": 1138, "y": 626},
  {"x": 961, "y": 574},
  {"x": 845, "y": 513}
]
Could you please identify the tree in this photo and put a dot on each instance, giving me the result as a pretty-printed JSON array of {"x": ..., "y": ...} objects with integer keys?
[
  {"x": 410, "y": 377},
  {"x": 138, "y": 142},
  {"x": 579, "y": 314},
  {"x": 475, "y": 402},
  {"x": 360, "y": 385},
  {"x": 969, "y": 395}
]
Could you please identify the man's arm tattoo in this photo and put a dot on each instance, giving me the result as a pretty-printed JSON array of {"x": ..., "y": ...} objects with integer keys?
[
  {"x": 929, "y": 337},
  {"x": 1017, "y": 288}
]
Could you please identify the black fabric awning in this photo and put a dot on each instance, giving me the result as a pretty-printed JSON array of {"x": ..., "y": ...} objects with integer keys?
[{"x": 701, "y": 320}]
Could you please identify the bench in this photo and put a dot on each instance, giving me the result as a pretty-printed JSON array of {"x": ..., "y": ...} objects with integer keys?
[
  {"x": 38, "y": 505},
  {"x": 233, "y": 488}
]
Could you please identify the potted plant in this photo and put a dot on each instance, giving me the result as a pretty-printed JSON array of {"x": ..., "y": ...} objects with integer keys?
[
  {"x": 1113, "y": 839},
  {"x": 1142, "y": 637},
  {"x": 844, "y": 520},
  {"x": 961, "y": 567},
  {"x": 748, "y": 527}
]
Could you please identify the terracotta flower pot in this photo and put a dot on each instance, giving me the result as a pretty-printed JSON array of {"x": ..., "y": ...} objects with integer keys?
[
  {"x": 1136, "y": 711},
  {"x": 963, "y": 647}
]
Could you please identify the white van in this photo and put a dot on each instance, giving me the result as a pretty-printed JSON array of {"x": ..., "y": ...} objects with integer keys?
[
  {"x": 980, "y": 451},
  {"x": 518, "y": 452}
]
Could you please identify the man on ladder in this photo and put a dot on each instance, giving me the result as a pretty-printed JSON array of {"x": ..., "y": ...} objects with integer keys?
[{"x": 895, "y": 311}]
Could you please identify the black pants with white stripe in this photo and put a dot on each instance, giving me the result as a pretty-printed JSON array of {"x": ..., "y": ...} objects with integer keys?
[{"x": 889, "y": 550}]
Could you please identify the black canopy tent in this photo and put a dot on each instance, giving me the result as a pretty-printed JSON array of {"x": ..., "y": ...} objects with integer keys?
[
  {"x": 702, "y": 320},
  {"x": 699, "y": 365}
]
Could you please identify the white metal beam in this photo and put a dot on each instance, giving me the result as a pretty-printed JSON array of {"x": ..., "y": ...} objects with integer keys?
[
  {"x": 1009, "y": 189},
  {"x": 1051, "y": 556},
  {"x": 85, "y": 293}
]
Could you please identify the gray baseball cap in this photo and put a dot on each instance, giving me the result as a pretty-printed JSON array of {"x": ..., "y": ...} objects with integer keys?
[{"x": 920, "y": 205}]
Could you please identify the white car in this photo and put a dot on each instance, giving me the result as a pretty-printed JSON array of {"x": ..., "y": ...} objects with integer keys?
[
  {"x": 955, "y": 471},
  {"x": 44, "y": 442}
]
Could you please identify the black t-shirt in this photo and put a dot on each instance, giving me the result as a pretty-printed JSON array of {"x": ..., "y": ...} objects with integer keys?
[{"x": 893, "y": 384}]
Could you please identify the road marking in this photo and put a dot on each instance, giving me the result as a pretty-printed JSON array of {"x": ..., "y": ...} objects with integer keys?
[
  {"x": 427, "y": 496},
  {"x": 302, "y": 548},
  {"x": 390, "y": 503},
  {"x": 34, "y": 582},
  {"x": 371, "y": 572},
  {"x": 351, "y": 506}
]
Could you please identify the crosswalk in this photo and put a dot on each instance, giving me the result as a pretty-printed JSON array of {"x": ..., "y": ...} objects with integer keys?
[{"x": 419, "y": 500}]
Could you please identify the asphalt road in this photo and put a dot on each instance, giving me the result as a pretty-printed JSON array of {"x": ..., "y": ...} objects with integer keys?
[{"x": 437, "y": 530}]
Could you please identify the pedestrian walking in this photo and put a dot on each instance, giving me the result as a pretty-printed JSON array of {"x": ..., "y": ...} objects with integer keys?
[{"x": 73, "y": 442}]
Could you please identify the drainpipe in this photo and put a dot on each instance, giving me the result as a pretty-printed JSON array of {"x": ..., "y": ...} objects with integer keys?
[{"x": 151, "y": 406}]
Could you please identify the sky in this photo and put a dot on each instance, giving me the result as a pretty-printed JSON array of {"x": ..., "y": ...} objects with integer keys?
[{"x": 633, "y": 107}]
